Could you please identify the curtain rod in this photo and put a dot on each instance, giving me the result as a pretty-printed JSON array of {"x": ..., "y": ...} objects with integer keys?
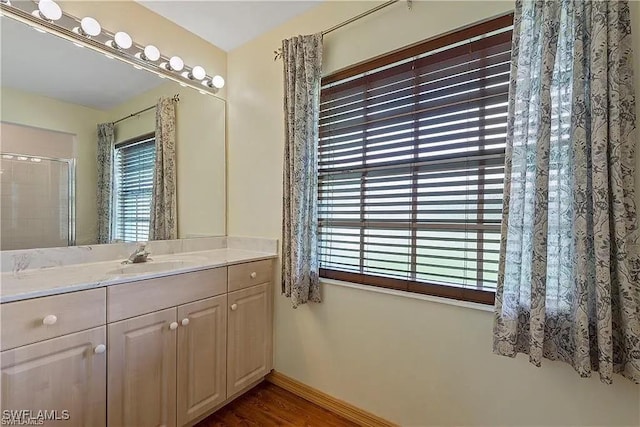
[
  {"x": 175, "y": 98},
  {"x": 278, "y": 52},
  {"x": 362, "y": 15}
]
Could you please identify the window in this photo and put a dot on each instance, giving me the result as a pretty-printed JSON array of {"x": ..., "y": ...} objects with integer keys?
[
  {"x": 133, "y": 188},
  {"x": 411, "y": 165}
]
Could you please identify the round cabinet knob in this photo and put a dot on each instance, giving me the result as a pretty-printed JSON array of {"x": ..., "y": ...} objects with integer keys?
[
  {"x": 100, "y": 348},
  {"x": 173, "y": 326},
  {"x": 234, "y": 307},
  {"x": 185, "y": 321},
  {"x": 254, "y": 275},
  {"x": 49, "y": 320}
]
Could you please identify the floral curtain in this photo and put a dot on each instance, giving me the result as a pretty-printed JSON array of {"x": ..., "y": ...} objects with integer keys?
[
  {"x": 569, "y": 277},
  {"x": 104, "y": 194},
  {"x": 302, "y": 57},
  {"x": 163, "y": 202}
]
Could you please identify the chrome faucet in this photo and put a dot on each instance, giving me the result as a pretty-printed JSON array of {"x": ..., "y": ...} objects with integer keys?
[{"x": 139, "y": 255}]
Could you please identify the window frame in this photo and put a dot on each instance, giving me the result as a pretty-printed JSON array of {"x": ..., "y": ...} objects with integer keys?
[
  {"x": 147, "y": 137},
  {"x": 476, "y": 295}
]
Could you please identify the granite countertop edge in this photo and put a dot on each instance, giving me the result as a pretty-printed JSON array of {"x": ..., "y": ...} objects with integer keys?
[{"x": 11, "y": 282}]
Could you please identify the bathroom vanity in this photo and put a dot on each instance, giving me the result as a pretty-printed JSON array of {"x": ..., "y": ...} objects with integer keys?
[
  {"x": 86, "y": 340},
  {"x": 162, "y": 343}
]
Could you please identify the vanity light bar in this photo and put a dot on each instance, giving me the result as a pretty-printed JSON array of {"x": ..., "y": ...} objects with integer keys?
[{"x": 86, "y": 32}]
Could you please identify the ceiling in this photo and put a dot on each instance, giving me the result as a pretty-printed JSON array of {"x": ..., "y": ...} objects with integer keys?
[
  {"x": 46, "y": 65},
  {"x": 229, "y": 24}
]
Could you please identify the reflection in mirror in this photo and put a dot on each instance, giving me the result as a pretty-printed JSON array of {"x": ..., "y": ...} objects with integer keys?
[{"x": 54, "y": 96}]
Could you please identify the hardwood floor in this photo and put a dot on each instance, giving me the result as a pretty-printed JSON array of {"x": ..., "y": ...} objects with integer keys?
[{"x": 269, "y": 405}]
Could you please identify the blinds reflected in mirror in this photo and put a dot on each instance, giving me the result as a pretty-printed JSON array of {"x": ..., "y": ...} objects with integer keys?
[
  {"x": 133, "y": 189},
  {"x": 411, "y": 166}
]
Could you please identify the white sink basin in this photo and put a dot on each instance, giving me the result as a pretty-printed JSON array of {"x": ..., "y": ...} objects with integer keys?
[{"x": 150, "y": 267}]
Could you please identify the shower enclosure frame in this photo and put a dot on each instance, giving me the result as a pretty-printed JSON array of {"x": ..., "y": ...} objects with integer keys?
[{"x": 71, "y": 164}]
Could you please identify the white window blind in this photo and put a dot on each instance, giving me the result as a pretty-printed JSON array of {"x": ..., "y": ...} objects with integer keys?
[
  {"x": 411, "y": 166},
  {"x": 133, "y": 188}
]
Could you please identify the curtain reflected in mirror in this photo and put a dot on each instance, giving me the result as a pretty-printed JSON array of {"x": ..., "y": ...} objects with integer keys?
[
  {"x": 137, "y": 179},
  {"x": 164, "y": 207},
  {"x": 104, "y": 166}
]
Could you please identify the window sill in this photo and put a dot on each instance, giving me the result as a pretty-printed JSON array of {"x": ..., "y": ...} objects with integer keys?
[{"x": 404, "y": 294}]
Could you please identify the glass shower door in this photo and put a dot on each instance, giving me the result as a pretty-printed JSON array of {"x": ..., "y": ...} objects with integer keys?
[{"x": 37, "y": 209}]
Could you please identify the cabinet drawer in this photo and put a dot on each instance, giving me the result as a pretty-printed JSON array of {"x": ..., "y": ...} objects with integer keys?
[
  {"x": 23, "y": 322},
  {"x": 146, "y": 296},
  {"x": 249, "y": 274}
]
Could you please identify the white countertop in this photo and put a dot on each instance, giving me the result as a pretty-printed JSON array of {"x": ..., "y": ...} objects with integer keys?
[{"x": 33, "y": 283}]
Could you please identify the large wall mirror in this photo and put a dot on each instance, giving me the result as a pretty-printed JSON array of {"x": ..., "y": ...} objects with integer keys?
[{"x": 54, "y": 95}]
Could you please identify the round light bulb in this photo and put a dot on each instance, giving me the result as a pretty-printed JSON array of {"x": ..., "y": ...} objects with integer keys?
[
  {"x": 176, "y": 63},
  {"x": 217, "y": 82},
  {"x": 90, "y": 26},
  {"x": 122, "y": 40},
  {"x": 198, "y": 73},
  {"x": 151, "y": 53},
  {"x": 49, "y": 10}
]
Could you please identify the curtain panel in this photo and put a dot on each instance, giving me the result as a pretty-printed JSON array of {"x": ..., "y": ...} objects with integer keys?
[
  {"x": 104, "y": 194},
  {"x": 569, "y": 275},
  {"x": 164, "y": 207},
  {"x": 302, "y": 58}
]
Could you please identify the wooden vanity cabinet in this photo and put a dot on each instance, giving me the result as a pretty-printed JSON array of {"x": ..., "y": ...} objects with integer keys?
[
  {"x": 142, "y": 370},
  {"x": 249, "y": 353},
  {"x": 61, "y": 374},
  {"x": 168, "y": 368},
  {"x": 174, "y": 349},
  {"x": 202, "y": 358}
]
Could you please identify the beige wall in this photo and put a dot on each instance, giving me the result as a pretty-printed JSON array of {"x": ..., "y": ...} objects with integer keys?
[
  {"x": 47, "y": 113},
  {"x": 200, "y": 153},
  {"x": 37, "y": 141},
  {"x": 410, "y": 360}
]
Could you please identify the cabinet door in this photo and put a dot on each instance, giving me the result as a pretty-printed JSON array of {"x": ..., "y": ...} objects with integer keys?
[
  {"x": 142, "y": 371},
  {"x": 249, "y": 337},
  {"x": 66, "y": 375},
  {"x": 202, "y": 354}
]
